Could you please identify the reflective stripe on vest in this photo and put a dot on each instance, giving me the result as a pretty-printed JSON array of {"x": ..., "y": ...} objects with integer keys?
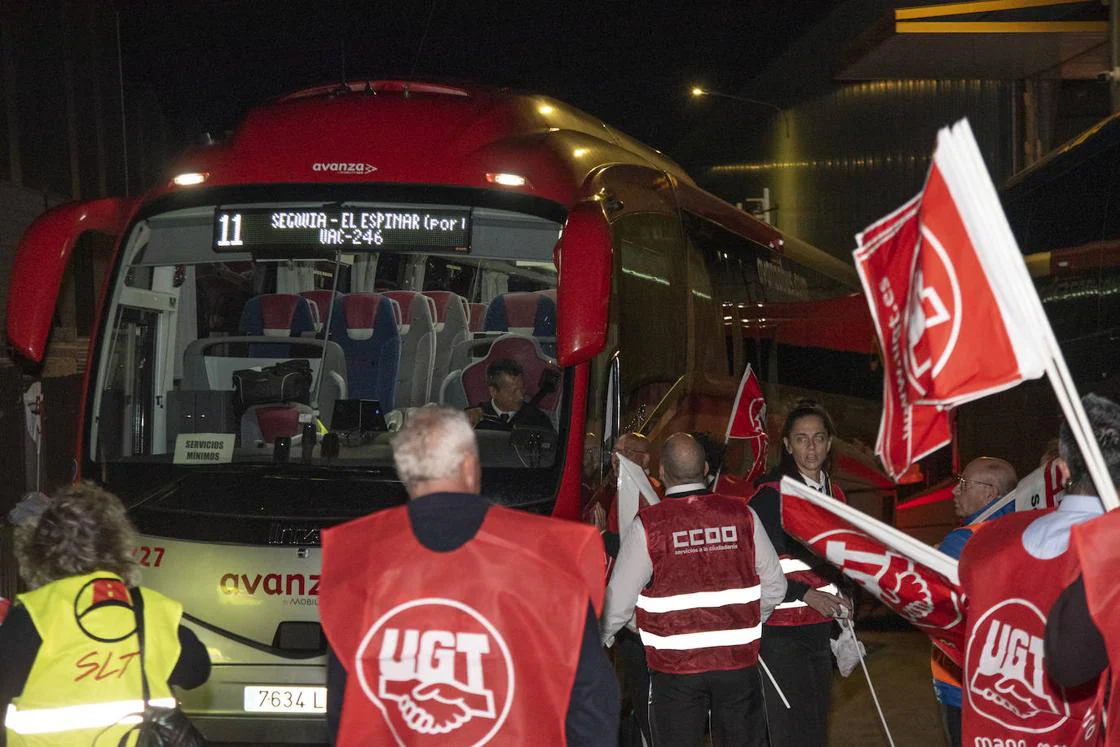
[
  {"x": 702, "y": 611},
  {"x": 793, "y": 565},
  {"x": 705, "y": 639},
  {"x": 73, "y": 718},
  {"x": 79, "y": 692},
  {"x": 678, "y": 602},
  {"x": 827, "y": 588}
]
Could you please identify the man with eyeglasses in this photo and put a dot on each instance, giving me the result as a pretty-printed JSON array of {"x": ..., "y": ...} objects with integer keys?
[{"x": 984, "y": 481}]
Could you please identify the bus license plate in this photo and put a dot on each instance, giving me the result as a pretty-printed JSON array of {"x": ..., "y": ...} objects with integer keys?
[{"x": 286, "y": 699}]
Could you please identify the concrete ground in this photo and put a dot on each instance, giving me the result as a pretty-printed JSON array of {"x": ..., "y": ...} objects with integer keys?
[{"x": 898, "y": 662}]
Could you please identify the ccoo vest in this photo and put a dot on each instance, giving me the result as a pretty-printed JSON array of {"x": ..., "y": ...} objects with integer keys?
[
  {"x": 701, "y": 612},
  {"x": 798, "y": 612},
  {"x": 479, "y": 645},
  {"x": 1094, "y": 543},
  {"x": 85, "y": 682},
  {"x": 1006, "y": 693}
]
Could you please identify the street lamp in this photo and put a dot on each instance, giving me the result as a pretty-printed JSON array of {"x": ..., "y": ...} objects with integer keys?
[{"x": 697, "y": 92}]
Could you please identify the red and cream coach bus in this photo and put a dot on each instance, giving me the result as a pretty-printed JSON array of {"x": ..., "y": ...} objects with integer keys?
[{"x": 386, "y": 240}]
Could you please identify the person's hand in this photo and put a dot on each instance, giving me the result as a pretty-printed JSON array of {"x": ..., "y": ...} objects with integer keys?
[
  {"x": 829, "y": 605},
  {"x": 474, "y": 415}
]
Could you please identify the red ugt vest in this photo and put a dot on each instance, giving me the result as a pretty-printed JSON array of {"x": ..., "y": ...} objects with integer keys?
[
  {"x": 1007, "y": 696},
  {"x": 701, "y": 612},
  {"x": 1095, "y": 545},
  {"x": 795, "y": 569},
  {"x": 475, "y": 646}
]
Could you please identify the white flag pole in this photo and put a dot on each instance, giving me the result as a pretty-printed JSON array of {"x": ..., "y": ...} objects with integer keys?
[
  {"x": 773, "y": 682},
  {"x": 995, "y": 507},
  {"x": 874, "y": 695},
  {"x": 1027, "y": 324},
  {"x": 1082, "y": 431},
  {"x": 896, "y": 539}
]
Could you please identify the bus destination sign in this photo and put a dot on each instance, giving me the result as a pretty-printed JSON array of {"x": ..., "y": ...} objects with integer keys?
[{"x": 352, "y": 229}]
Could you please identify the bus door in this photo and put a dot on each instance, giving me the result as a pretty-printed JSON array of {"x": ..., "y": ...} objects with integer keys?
[{"x": 140, "y": 363}]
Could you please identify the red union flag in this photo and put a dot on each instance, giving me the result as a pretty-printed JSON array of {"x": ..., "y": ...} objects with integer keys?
[
  {"x": 907, "y": 575},
  {"x": 747, "y": 424},
  {"x": 946, "y": 334}
]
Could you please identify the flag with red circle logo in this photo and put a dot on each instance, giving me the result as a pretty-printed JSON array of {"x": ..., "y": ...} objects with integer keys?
[
  {"x": 943, "y": 304},
  {"x": 747, "y": 425},
  {"x": 908, "y": 576}
]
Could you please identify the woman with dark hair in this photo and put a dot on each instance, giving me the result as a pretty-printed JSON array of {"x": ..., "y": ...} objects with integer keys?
[
  {"x": 795, "y": 640},
  {"x": 71, "y": 653}
]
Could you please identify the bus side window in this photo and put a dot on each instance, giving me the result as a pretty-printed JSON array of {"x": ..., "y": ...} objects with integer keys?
[{"x": 652, "y": 309}]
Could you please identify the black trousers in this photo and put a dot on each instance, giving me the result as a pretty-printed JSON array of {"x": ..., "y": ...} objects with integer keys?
[
  {"x": 731, "y": 701},
  {"x": 636, "y": 677},
  {"x": 800, "y": 659},
  {"x": 951, "y": 724}
]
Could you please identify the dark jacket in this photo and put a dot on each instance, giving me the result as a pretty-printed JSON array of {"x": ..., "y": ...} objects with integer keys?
[
  {"x": 767, "y": 503},
  {"x": 529, "y": 414}
]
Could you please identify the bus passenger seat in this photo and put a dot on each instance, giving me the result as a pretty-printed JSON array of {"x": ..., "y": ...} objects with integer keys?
[
  {"x": 478, "y": 314},
  {"x": 525, "y": 313},
  {"x": 276, "y": 315},
  {"x": 321, "y": 302},
  {"x": 452, "y": 315},
  {"x": 525, "y": 351},
  {"x": 364, "y": 327},
  {"x": 418, "y": 347}
]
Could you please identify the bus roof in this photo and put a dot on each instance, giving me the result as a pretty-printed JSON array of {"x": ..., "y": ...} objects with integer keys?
[{"x": 422, "y": 133}]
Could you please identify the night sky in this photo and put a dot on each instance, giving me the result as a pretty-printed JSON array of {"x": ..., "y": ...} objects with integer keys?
[{"x": 628, "y": 63}]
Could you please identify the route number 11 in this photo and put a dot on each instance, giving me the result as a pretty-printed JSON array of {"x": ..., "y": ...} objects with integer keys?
[{"x": 225, "y": 239}]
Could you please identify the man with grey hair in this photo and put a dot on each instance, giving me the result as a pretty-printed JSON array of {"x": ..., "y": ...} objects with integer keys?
[
  {"x": 1084, "y": 618},
  {"x": 704, "y": 576},
  {"x": 462, "y": 619},
  {"x": 1016, "y": 563}
]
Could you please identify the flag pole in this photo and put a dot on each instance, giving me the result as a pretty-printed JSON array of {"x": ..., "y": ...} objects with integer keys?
[
  {"x": 1014, "y": 290},
  {"x": 1061, "y": 382},
  {"x": 867, "y": 676},
  {"x": 773, "y": 682}
]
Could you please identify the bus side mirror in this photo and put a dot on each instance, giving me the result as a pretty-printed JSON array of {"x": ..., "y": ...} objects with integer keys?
[
  {"x": 584, "y": 258},
  {"x": 40, "y": 263}
]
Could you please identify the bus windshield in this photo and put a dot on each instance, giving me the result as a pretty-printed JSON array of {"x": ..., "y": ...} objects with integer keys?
[{"x": 304, "y": 333}]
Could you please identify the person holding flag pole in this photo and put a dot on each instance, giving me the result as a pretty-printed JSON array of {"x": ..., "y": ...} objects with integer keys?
[
  {"x": 975, "y": 495},
  {"x": 958, "y": 319},
  {"x": 796, "y": 639},
  {"x": 1081, "y": 638}
]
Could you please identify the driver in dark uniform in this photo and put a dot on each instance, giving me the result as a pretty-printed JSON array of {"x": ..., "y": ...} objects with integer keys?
[{"x": 507, "y": 406}]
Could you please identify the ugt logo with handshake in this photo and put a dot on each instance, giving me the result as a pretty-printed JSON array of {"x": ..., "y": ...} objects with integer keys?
[{"x": 438, "y": 669}]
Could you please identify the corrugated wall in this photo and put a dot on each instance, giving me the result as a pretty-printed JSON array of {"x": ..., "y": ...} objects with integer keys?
[
  {"x": 836, "y": 162},
  {"x": 843, "y": 154}
]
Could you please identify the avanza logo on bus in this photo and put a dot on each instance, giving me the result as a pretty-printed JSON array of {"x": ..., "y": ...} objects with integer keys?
[
  {"x": 342, "y": 167},
  {"x": 272, "y": 584}
]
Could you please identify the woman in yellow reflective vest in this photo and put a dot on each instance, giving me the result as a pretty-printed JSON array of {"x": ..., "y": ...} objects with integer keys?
[{"x": 70, "y": 653}]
